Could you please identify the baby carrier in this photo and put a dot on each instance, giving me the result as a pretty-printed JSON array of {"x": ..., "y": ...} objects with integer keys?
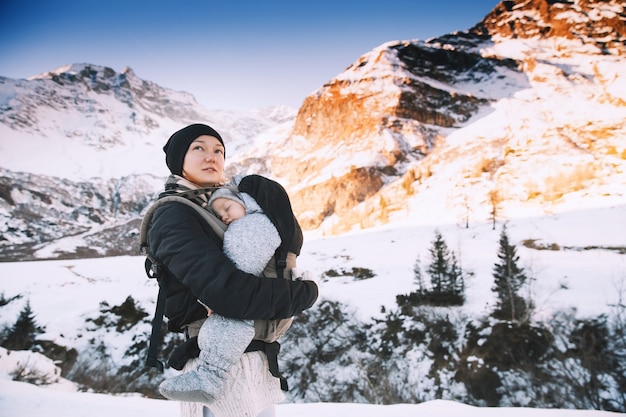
[{"x": 274, "y": 201}]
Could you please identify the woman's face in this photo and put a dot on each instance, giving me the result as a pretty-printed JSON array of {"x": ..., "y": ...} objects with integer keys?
[{"x": 204, "y": 161}]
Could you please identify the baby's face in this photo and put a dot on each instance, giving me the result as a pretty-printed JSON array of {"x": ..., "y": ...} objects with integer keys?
[{"x": 228, "y": 210}]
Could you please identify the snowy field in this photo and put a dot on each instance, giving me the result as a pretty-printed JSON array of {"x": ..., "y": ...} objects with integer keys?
[
  {"x": 19, "y": 399},
  {"x": 587, "y": 274}
]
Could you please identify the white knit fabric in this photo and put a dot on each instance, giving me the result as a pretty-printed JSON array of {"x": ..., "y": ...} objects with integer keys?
[{"x": 250, "y": 388}]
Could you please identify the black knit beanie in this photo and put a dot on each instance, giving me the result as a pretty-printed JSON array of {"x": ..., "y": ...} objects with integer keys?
[{"x": 177, "y": 145}]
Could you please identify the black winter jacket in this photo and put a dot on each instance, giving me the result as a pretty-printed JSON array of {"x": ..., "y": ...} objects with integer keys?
[{"x": 198, "y": 269}]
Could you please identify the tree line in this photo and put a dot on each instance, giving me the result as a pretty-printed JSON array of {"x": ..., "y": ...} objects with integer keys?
[
  {"x": 422, "y": 349},
  {"x": 426, "y": 348}
]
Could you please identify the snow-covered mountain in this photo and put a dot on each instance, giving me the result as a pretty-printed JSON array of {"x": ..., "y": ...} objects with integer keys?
[
  {"x": 521, "y": 114},
  {"x": 81, "y": 157},
  {"x": 508, "y": 107},
  {"x": 83, "y": 121},
  {"x": 530, "y": 103}
]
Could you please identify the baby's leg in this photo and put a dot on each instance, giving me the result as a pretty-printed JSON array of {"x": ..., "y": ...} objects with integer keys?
[{"x": 222, "y": 341}]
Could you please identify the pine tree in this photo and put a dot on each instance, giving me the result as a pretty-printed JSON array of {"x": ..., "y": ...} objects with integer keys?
[
  {"x": 457, "y": 284},
  {"x": 446, "y": 280},
  {"x": 509, "y": 280},
  {"x": 23, "y": 333},
  {"x": 445, "y": 273},
  {"x": 419, "y": 280},
  {"x": 439, "y": 264}
]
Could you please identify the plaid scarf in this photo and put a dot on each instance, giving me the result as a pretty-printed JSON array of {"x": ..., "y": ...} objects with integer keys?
[{"x": 177, "y": 185}]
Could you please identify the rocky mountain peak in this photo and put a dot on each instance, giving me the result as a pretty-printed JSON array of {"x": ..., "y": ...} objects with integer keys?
[
  {"x": 94, "y": 77},
  {"x": 592, "y": 22},
  {"x": 124, "y": 86},
  {"x": 367, "y": 136}
]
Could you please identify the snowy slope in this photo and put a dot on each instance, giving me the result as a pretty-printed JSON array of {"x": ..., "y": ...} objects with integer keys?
[
  {"x": 64, "y": 294},
  {"x": 588, "y": 280},
  {"x": 18, "y": 399}
]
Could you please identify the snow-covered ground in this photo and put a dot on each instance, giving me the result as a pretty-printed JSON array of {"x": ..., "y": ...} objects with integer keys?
[
  {"x": 18, "y": 399},
  {"x": 63, "y": 293}
]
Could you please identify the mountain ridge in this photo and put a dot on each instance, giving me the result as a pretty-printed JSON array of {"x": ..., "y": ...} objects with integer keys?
[
  {"x": 451, "y": 129},
  {"x": 491, "y": 71}
]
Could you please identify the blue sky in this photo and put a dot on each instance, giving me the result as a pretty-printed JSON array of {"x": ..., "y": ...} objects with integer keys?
[{"x": 229, "y": 54}]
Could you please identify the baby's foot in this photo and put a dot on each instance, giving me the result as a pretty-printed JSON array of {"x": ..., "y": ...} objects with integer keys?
[{"x": 200, "y": 385}]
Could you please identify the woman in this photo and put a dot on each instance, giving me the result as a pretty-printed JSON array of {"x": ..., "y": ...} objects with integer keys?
[{"x": 198, "y": 270}]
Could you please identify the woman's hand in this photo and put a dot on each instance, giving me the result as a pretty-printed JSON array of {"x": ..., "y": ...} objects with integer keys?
[{"x": 300, "y": 275}]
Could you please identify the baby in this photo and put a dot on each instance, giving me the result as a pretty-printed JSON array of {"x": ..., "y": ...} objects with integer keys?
[{"x": 250, "y": 242}]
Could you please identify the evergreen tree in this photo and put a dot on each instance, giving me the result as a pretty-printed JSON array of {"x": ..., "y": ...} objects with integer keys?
[
  {"x": 457, "y": 284},
  {"x": 419, "y": 280},
  {"x": 446, "y": 276},
  {"x": 439, "y": 264},
  {"x": 509, "y": 280},
  {"x": 23, "y": 333}
]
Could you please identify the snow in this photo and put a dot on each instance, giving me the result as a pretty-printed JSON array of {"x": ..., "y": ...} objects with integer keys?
[
  {"x": 63, "y": 293},
  {"x": 591, "y": 275},
  {"x": 18, "y": 399},
  {"x": 96, "y": 134}
]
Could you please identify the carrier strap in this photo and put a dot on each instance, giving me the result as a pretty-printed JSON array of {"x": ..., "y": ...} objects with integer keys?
[
  {"x": 157, "y": 322},
  {"x": 271, "y": 351},
  {"x": 218, "y": 226},
  {"x": 154, "y": 269}
]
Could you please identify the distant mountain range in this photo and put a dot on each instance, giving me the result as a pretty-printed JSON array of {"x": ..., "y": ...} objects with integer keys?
[{"x": 524, "y": 113}]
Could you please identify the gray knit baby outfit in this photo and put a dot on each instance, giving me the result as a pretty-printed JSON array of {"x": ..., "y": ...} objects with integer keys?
[{"x": 250, "y": 242}]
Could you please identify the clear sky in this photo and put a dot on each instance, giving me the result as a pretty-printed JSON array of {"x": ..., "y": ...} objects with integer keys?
[{"x": 229, "y": 54}]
